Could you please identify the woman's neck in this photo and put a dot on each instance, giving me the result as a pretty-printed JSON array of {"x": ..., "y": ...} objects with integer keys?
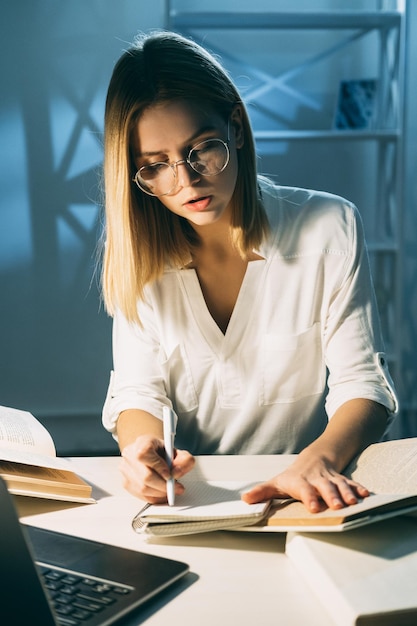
[{"x": 215, "y": 244}]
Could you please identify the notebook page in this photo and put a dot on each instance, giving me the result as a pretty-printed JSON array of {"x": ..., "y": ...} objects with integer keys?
[{"x": 206, "y": 500}]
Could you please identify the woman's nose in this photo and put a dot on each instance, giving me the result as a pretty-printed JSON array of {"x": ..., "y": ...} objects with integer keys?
[{"x": 186, "y": 175}]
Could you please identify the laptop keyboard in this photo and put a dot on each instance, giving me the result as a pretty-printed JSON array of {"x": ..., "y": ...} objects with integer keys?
[{"x": 76, "y": 599}]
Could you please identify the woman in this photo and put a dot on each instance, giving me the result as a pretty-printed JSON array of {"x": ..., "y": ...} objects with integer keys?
[{"x": 246, "y": 307}]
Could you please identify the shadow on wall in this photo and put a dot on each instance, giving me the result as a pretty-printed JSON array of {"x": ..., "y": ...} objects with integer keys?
[{"x": 55, "y": 67}]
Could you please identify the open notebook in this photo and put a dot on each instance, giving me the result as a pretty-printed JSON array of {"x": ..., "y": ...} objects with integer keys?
[
  {"x": 205, "y": 506},
  {"x": 92, "y": 583}
]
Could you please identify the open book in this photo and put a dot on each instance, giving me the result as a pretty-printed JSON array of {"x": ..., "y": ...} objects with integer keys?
[
  {"x": 28, "y": 461},
  {"x": 387, "y": 469}
]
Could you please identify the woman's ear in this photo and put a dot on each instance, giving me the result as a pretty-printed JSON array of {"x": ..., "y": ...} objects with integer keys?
[{"x": 237, "y": 125}]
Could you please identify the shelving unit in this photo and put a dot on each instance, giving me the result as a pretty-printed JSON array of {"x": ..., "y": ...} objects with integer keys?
[{"x": 276, "y": 58}]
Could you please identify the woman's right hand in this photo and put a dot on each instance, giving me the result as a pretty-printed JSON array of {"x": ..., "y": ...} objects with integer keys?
[{"x": 145, "y": 470}]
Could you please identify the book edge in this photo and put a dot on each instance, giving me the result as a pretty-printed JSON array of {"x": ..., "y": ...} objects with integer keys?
[{"x": 321, "y": 583}]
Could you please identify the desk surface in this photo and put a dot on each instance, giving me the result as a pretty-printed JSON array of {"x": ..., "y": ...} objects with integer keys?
[{"x": 236, "y": 578}]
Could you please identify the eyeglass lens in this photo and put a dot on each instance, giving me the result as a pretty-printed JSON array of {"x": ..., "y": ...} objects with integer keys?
[{"x": 208, "y": 158}]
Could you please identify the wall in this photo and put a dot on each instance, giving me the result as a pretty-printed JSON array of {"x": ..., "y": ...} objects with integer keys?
[
  {"x": 407, "y": 333},
  {"x": 55, "y": 338}
]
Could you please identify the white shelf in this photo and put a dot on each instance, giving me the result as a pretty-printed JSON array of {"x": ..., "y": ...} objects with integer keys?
[
  {"x": 302, "y": 20},
  {"x": 332, "y": 135}
]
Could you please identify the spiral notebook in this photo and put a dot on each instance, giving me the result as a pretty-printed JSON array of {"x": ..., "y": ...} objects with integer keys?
[{"x": 205, "y": 506}]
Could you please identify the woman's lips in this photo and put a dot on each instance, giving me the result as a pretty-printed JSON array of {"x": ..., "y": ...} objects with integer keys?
[{"x": 199, "y": 204}]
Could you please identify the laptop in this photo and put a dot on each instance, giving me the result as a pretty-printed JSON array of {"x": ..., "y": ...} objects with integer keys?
[{"x": 53, "y": 579}]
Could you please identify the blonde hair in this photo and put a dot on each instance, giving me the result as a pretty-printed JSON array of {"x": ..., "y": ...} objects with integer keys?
[{"x": 142, "y": 237}]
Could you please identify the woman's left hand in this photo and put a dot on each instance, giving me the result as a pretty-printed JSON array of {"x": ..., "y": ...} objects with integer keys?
[
  {"x": 314, "y": 478},
  {"x": 313, "y": 481}
]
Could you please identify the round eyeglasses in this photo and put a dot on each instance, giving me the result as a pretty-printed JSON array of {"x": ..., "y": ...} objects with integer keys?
[{"x": 208, "y": 158}]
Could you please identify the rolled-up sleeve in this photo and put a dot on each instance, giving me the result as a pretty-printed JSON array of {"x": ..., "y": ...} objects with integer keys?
[
  {"x": 354, "y": 348},
  {"x": 136, "y": 381}
]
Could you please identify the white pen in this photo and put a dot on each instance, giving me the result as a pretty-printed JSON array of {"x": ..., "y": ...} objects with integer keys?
[{"x": 170, "y": 426}]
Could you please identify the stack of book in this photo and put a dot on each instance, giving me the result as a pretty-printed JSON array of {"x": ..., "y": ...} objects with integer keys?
[{"x": 28, "y": 461}]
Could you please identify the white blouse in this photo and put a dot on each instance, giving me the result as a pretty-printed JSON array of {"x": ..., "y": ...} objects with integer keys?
[{"x": 303, "y": 339}]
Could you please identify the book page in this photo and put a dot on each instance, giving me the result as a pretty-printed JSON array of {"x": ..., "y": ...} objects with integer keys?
[
  {"x": 45, "y": 482},
  {"x": 296, "y": 514},
  {"x": 387, "y": 467},
  {"x": 20, "y": 431},
  {"x": 38, "y": 473},
  {"x": 206, "y": 500},
  {"x": 32, "y": 458}
]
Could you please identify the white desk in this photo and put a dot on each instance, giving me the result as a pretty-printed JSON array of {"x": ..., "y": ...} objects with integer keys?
[{"x": 236, "y": 578}]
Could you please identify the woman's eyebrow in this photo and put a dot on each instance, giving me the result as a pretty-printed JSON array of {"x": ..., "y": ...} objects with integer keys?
[
  {"x": 147, "y": 154},
  {"x": 200, "y": 131}
]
